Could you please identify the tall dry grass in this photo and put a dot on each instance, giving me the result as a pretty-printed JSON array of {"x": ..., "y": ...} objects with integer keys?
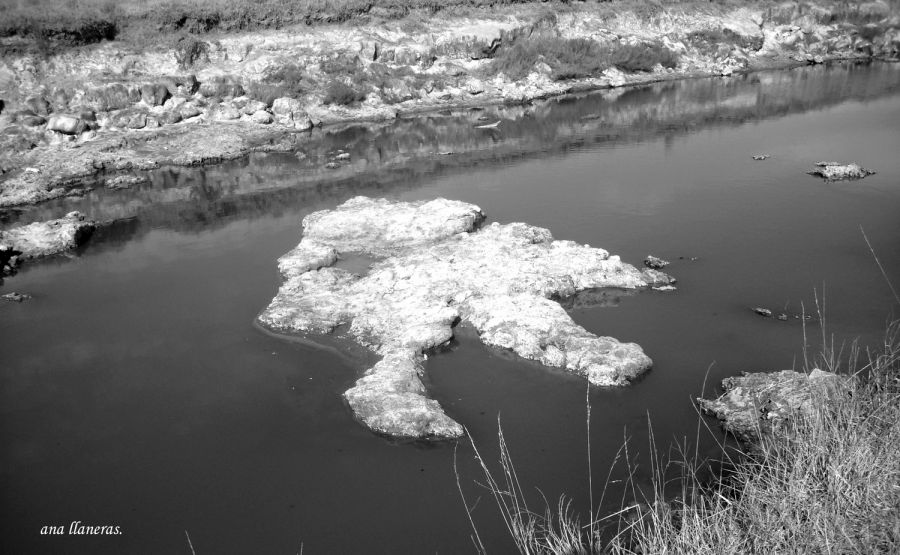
[{"x": 828, "y": 482}]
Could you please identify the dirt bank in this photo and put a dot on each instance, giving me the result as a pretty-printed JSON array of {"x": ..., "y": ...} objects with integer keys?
[{"x": 74, "y": 119}]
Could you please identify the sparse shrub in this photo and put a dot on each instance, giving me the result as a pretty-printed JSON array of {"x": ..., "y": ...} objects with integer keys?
[
  {"x": 712, "y": 38},
  {"x": 342, "y": 94},
  {"x": 288, "y": 80},
  {"x": 189, "y": 50},
  {"x": 568, "y": 58},
  {"x": 577, "y": 58},
  {"x": 642, "y": 57}
]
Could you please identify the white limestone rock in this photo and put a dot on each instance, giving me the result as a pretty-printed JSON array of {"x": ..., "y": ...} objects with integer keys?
[
  {"x": 45, "y": 238},
  {"x": 435, "y": 269},
  {"x": 836, "y": 171}
]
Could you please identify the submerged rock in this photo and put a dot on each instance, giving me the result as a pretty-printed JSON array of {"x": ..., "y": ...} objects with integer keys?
[
  {"x": 836, "y": 171},
  {"x": 757, "y": 403},
  {"x": 436, "y": 269},
  {"x": 46, "y": 238},
  {"x": 16, "y": 297}
]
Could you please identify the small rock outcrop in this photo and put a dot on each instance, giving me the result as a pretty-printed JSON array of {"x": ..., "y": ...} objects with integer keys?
[
  {"x": 289, "y": 112},
  {"x": 836, "y": 171},
  {"x": 436, "y": 268},
  {"x": 66, "y": 124},
  {"x": 758, "y": 403},
  {"x": 46, "y": 238},
  {"x": 655, "y": 263}
]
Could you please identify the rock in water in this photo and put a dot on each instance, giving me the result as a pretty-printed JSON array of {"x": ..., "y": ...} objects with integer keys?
[
  {"x": 757, "y": 403},
  {"x": 16, "y": 297},
  {"x": 46, "y": 238},
  {"x": 655, "y": 263},
  {"x": 437, "y": 268},
  {"x": 835, "y": 171}
]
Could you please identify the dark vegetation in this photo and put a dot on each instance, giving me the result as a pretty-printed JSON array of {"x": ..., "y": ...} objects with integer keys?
[
  {"x": 712, "y": 38},
  {"x": 342, "y": 94},
  {"x": 288, "y": 80},
  {"x": 576, "y": 58},
  {"x": 190, "y": 50}
]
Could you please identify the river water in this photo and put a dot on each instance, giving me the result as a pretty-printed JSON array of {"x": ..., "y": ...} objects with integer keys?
[{"x": 135, "y": 390}]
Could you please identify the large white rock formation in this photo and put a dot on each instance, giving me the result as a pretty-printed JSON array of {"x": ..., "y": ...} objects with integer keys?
[{"x": 436, "y": 268}]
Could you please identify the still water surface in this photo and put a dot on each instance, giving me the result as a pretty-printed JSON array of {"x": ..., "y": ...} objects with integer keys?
[{"x": 136, "y": 391}]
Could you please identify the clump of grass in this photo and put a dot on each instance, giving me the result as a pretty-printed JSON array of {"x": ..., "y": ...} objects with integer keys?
[
  {"x": 827, "y": 482},
  {"x": 288, "y": 80},
  {"x": 713, "y": 38},
  {"x": 568, "y": 58},
  {"x": 576, "y": 58},
  {"x": 338, "y": 92}
]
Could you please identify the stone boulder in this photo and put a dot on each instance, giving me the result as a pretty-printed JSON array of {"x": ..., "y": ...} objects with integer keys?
[
  {"x": 132, "y": 118},
  {"x": 154, "y": 94},
  {"x": 223, "y": 112},
  {"x": 169, "y": 117},
  {"x": 290, "y": 112},
  {"x": 46, "y": 238},
  {"x": 435, "y": 268},
  {"x": 67, "y": 124},
  {"x": 261, "y": 117},
  {"x": 189, "y": 110},
  {"x": 757, "y": 404}
]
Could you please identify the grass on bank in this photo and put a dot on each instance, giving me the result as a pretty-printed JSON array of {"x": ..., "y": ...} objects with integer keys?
[
  {"x": 827, "y": 483},
  {"x": 576, "y": 58}
]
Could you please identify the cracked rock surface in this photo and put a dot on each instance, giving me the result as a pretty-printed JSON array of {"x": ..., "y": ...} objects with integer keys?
[
  {"x": 758, "y": 402},
  {"x": 437, "y": 267}
]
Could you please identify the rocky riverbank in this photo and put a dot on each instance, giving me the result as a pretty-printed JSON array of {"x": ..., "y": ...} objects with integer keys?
[
  {"x": 98, "y": 110},
  {"x": 433, "y": 267}
]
